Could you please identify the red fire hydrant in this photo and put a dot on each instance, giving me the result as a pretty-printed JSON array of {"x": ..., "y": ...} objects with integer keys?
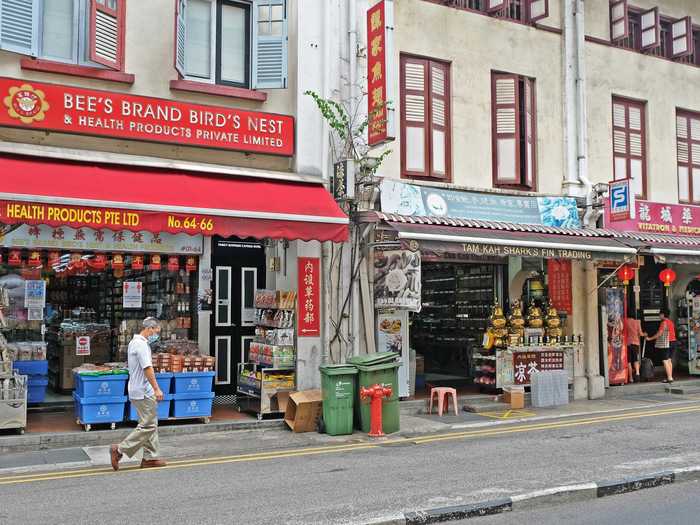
[{"x": 375, "y": 393}]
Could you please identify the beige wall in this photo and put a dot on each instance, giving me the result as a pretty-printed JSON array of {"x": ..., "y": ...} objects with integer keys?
[
  {"x": 663, "y": 84},
  {"x": 149, "y": 56},
  {"x": 475, "y": 45}
]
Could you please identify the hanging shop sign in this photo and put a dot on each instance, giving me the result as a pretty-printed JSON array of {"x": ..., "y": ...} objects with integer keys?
[
  {"x": 410, "y": 199},
  {"x": 35, "y": 294},
  {"x": 527, "y": 363},
  {"x": 132, "y": 294},
  {"x": 68, "y": 109},
  {"x": 309, "y": 272},
  {"x": 559, "y": 284},
  {"x": 658, "y": 217},
  {"x": 380, "y": 56},
  {"x": 617, "y": 350},
  {"x": 343, "y": 183},
  {"x": 88, "y": 239},
  {"x": 397, "y": 279},
  {"x": 621, "y": 200}
]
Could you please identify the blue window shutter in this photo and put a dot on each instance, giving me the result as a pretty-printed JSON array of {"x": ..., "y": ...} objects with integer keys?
[
  {"x": 269, "y": 44},
  {"x": 180, "y": 32},
  {"x": 18, "y": 22}
]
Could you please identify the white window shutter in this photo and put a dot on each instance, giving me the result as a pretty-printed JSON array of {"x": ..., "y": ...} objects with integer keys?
[
  {"x": 539, "y": 9},
  {"x": 651, "y": 29},
  {"x": 682, "y": 37},
  {"x": 415, "y": 147},
  {"x": 269, "y": 44},
  {"x": 107, "y": 32},
  {"x": 506, "y": 129},
  {"x": 180, "y": 35},
  {"x": 496, "y": 5},
  {"x": 19, "y": 20},
  {"x": 619, "y": 21}
]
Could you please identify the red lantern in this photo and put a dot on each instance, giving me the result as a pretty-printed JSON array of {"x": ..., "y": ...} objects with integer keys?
[
  {"x": 98, "y": 262},
  {"x": 137, "y": 262},
  {"x": 54, "y": 259},
  {"x": 667, "y": 276},
  {"x": 191, "y": 264},
  {"x": 34, "y": 259},
  {"x": 626, "y": 273},
  {"x": 15, "y": 258},
  {"x": 173, "y": 263},
  {"x": 155, "y": 262},
  {"x": 117, "y": 262}
]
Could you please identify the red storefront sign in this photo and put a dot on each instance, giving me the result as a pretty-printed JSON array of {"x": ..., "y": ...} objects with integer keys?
[
  {"x": 68, "y": 109},
  {"x": 309, "y": 271},
  {"x": 658, "y": 217},
  {"x": 376, "y": 74},
  {"x": 527, "y": 363},
  {"x": 559, "y": 280}
]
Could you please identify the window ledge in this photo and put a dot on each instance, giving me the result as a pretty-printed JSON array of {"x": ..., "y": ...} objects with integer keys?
[
  {"x": 75, "y": 70},
  {"x": 215, "y": 89}
]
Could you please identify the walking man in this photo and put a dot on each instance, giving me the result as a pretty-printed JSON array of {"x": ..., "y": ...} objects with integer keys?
[
  {"x": 144, "y": 394},
  {"x": 666, "y": 337}
]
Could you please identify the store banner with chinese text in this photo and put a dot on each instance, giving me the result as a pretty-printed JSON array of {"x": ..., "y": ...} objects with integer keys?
[
  {"x": 68, "y": 109},
  {"x": 379, "y": 65},
  {"x": 559, "y": 284},
  {"x": 527, "y": 363},
  {"x": 658, "y": 217},
  {"x": 309, "y": 272}
]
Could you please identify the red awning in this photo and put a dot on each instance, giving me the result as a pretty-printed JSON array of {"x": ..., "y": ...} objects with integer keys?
[{"x": 35, "y": 191}]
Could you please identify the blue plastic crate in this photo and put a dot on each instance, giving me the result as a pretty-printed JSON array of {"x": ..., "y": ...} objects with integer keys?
[
  {"x": 31, "y": 368},
  {"x": 164, "y": 381},
  {"x": 93, "y": 410},
  {"x": 36, "y": 391},
  {"x": 163, "y": 408},
  {"x": 193, "y": 382},
  {"x": 101, "y": 386},
  {"x": 192, "y": 405}
]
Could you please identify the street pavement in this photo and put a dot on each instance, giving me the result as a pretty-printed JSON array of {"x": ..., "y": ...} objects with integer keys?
[
  {"x": 670, "y": 505},
  {"x": 264, "y": 480}
]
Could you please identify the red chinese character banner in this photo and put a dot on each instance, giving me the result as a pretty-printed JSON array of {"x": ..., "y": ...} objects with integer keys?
[
  {"x": 309, "y": 271},
  {"x": 559, "y": 277},
  {"x": 376, "y": 74}
]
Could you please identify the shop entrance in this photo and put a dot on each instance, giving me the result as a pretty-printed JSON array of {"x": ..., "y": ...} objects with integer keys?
[{"x": 239, "y": 269}]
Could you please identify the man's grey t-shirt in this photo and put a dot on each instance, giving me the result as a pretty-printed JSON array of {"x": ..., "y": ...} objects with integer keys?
[{"x": 139, "y": 360}]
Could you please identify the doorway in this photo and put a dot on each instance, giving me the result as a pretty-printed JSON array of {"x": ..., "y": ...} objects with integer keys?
[{"x": 239, "y": 269}]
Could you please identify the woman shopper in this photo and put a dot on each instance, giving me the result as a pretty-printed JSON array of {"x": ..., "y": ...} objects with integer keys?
[
  {"x": 666, "y": 336},
  {"x": 634, "y": 332}
]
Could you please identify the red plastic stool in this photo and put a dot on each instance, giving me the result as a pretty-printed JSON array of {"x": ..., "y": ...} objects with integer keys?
[{"x": 443, "y": 394}]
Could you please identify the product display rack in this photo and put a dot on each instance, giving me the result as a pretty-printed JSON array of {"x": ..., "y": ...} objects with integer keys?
[
  {"x": 271, "y": 360},
  {"x": 455, "y": 309}
]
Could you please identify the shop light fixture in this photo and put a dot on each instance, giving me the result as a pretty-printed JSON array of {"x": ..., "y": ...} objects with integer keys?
[{"x": 514, "y": 242}]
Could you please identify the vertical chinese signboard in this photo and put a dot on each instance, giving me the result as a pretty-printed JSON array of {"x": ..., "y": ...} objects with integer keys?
[
  {"x": 379, "y": 60},
  {"x": 559, "y": 276},
  {"x": 309, "y": 297}
]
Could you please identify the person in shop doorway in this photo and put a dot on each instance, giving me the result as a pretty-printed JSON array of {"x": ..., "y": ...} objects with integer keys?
[
  {"x": 144, "y": 394},
  {"x": 665, "y": 338},
  {"x": 634, "y": 333}
]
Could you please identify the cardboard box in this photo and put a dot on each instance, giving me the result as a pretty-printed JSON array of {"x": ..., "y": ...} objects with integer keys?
[
  {"x": 282, "y": 399},
  {"x": 303, "y": 410},
  {"x": 515, "y": 397}
]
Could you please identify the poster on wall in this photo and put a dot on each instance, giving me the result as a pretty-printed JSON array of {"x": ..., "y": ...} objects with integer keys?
[
  {"x": 617, "y": 351},
  {"x": 397, "y": 280},
  {"x": 34, "y": 294},
  {"x": 392, "y": 336},
  {"x": 82, "y": 345},
  {"x": 133, "y": 294}
]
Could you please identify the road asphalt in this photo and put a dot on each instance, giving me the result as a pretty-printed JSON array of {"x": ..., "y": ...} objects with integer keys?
[{"x": 359, "y": 482}]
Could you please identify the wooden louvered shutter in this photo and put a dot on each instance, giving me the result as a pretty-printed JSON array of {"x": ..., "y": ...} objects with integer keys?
[
  {"x": 538, "y": 9},
  {"x": 619, "y": 20},
  {"x": 18, "y": 22},
  {"x": 530, "y": 134},
  {"x": 496, "y": 5},
  {"x": 506, "y": 130},
  {"x": 629, "y": 155},
  {"x": 651, "y": 29},
  {"x": 688, "y": 152},
  {"x": 269, "y": 44},
  {"x": 439, "y": 151},
  {"x": 107, "y": 21},
  {"x": 180, "y": 35},
  {"x": 415, "y": 138},
  {"x": 682, "y": 37}
]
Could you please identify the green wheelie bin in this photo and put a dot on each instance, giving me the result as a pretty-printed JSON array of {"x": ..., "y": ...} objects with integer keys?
[
  {"x": 338, "y": 390},
  {"x": 380, "y": 368}
]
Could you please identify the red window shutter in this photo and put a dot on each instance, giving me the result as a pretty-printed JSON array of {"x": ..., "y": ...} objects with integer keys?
[
  {"x": 629, "y": 143},
  {"x": 440, "y": 158},
  {"x": 651, "y": 29},
  {"x": 530, "y": 134},
  {"x": 107, "y": 21},
  {"x": 537, "y": 10},
  {"x": 682, "y": 37},
  {"x": 619, "y": 20},
  {"x": 688, "y": 153},
  {"x": 496, "y": 5},
  {"x": 415, "y": 131},
  {"x": 505, "y": 94}
]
